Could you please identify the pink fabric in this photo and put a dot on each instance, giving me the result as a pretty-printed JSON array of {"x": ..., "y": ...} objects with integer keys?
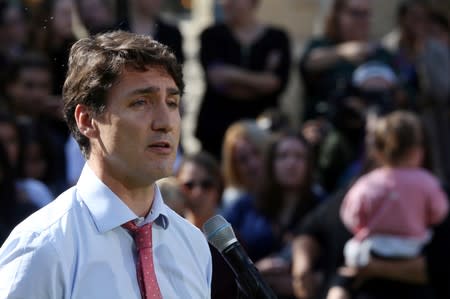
[
  {"x": 402, "y": 202},
  {"x": 145, "y": 268}
]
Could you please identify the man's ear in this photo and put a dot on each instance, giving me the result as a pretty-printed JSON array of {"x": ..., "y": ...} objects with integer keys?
[{"x": 85, "y": 121}]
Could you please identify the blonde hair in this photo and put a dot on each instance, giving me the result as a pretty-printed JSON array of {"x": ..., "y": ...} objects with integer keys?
[
  {"x": 396, "y": 134},
  {"x": 244, "y": 129}
]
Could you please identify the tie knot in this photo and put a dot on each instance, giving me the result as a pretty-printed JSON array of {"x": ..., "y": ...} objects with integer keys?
[{"x": 142, "y": 234}]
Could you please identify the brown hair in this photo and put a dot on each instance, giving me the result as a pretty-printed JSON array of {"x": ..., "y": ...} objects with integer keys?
[
  {"x": 95, "y": 64},
  {"x": 331, "y": 29},
  {"x": 268, "y": 201},
  {"x": 396, "y": 134}
]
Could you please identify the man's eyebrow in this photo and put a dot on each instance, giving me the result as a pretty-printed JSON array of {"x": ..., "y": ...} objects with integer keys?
[
  {"x": 153, "y": 89},
  {"x": 173, "y": 91}
]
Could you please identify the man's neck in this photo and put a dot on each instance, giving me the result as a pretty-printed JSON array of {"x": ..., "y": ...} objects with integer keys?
[{"x": 138, "y": 199}]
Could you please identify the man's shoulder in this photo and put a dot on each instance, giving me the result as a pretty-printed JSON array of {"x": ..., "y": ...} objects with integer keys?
[
  {"x": 182, "y": 225},
  {"x": 49, "y": 218},
  {"x": 32, "y": 255}
]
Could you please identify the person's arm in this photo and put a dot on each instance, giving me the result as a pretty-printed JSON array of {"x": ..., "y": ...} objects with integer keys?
[
  {"x": 437, "y": 204},
  {"x": 29, "y": 268},
  {"x": 433, "y": 63},
  {"x": 242, "y": 83},
  {"x": 408, "y": 270},
  {"x": 322, "y": 58},
  {"x": 276, "y": 272},
  {"x": 305, "y": 251},
  {"x": 239, "y": 82},
  {"x": 355, "y": 210}
]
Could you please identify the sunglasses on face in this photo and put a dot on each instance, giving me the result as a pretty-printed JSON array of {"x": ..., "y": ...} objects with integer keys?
[{"x": 203, "y": 184}]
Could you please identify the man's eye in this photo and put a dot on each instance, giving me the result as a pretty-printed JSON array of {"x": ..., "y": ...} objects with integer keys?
[
  {"x": 173, "y": 104},
  {"x": 138, "y": 102}
]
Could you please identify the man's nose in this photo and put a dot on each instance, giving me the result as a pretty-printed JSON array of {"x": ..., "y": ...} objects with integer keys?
[{"x": 162, "y": 118}]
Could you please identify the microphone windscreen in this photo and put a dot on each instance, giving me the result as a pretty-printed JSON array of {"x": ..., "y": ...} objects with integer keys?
[{"x": 219, "y": 232}]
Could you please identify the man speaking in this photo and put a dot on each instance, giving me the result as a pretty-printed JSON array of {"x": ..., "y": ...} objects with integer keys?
[{"x": 111, "y": 236}]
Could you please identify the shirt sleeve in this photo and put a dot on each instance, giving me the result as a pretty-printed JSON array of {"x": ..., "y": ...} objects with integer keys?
[
  {"x": 353, "y": 210},
  {"x": 30, "y": 268},
  {"x": 437, "y": 203}
]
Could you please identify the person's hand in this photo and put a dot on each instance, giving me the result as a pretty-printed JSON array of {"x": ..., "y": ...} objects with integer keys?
[
  {"x": 360, "y": 274},
  {"x": 220, "y": 74},
  {"x": 305, "y": 282},
  {"x": 272, "y": 265},
  {"x": 338, "y": 293},
  {"x": 277, "y": 273},
  {"x": 314, "y": 131},
  {"x": 355, "y": 51}
]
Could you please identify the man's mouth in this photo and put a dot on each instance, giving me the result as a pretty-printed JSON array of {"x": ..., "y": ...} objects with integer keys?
[{"x": 161, "y": 144}]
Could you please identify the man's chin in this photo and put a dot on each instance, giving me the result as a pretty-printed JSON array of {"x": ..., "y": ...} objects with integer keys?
[{"x": 163, "y": 172}]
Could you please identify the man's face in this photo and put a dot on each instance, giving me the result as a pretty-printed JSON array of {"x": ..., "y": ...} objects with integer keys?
[{"x": 139, "y": 131}]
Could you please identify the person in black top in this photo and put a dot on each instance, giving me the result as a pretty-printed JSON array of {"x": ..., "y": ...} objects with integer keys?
[
  {"x": 143, "y": 18},
  {"x": 95, "y": 15},
  {"x": 246, "y": 65},
  {"x": 328, "y": 61}
]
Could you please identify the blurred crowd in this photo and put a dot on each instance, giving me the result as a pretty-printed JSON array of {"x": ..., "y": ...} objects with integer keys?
[{"x": 351, "y": 204}]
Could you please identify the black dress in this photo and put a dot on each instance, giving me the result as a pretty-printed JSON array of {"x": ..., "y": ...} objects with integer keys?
[
  {"x": 165, "y": 33},
  {"x": 218, "y": 110}
]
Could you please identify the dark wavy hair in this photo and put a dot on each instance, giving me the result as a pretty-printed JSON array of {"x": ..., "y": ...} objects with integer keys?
[
  {"x": 95, "y": 64},
  {"x": 269, "y": 202}
]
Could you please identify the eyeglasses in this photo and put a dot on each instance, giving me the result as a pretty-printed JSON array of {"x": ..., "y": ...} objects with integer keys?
[{"x": 203, "y": 184}]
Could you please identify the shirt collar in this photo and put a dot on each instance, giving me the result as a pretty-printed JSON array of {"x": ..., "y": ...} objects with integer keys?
[{"x": 108, "y": 210}]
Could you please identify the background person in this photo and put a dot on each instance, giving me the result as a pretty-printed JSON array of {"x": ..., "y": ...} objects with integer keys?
[
  {"x": 388, "y": 216},
  {"x": 246, "y": 66},
  {"x": 201, "y": 182},
  {"x": 327, "y": 64}
]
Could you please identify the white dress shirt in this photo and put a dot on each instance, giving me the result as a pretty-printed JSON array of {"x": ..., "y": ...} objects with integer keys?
[{"x": 76, "y": 248}]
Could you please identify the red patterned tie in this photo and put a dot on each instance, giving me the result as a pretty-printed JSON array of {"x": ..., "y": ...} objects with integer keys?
[{"x": 144, "y": 268}]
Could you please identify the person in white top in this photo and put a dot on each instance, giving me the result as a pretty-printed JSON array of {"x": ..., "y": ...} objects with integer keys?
[{"x": 121, "y": 102}]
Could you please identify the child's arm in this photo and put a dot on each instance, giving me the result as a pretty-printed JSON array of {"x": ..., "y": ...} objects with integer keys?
[
  {"x": 438, "y": 205},
  {"x": 354, "y": 208}
]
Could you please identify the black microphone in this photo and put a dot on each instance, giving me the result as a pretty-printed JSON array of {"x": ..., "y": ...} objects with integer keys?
[{"x": 220, "y": 234}]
